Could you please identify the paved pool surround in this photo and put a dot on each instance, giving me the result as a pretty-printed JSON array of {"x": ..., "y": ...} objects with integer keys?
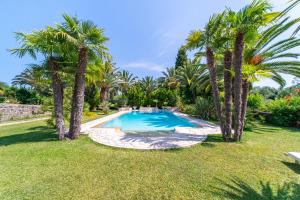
[{"x": 181, "y": 137}]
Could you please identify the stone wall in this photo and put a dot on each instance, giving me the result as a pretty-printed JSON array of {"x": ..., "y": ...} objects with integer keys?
[{"x": 18, "y": 111}]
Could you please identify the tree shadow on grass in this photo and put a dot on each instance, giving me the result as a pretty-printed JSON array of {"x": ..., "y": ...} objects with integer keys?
[
  {"x": 239, "y": 190},
  {"x": 269, "y": 128},
  {"x": 293, "y": 166},
  {"x": 35, "y": 134},
  {"x": 265, "y": 129},
  {"x": 211, "y": 139}
]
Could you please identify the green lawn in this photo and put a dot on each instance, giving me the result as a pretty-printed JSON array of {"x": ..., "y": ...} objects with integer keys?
[
  {"x": 95, "y": 115},
  {"x": 34, "y": 165}
]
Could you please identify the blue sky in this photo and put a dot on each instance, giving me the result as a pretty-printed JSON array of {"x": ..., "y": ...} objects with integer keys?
[{"x": 144, "y": 34}]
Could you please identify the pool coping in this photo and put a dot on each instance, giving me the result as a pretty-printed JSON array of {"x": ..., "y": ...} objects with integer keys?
[
  {"x": 182, "y": 137},
  {"x": 91, "y": 124}
]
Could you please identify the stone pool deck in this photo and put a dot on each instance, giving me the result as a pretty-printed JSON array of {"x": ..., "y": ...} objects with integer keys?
[{"x": 182, "y": 137}]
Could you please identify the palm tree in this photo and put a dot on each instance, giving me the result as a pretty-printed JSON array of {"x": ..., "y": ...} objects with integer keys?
[
  {"x": 35, "y": 76},
  {"x": 127, "y": 79},
  {"x": 170, "y": 78},
  {"x": 87, "y": 39},
  {"x": 244, "y": 26},
  {"x": 104, "y": 76},
  {"x": 266, "y": 58},
  {"x": 46, "y": 43},
  {"x": 210, "y": 39},
  {"x": 108, "y": 80},
  {"x": 189, "y": 76},
  {"x": 148, "y": 85},
  {"x": 228, "y": 93},
  {"x": 246, "y": 23}
]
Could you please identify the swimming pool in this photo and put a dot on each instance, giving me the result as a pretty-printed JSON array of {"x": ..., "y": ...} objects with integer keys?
[{"x": 139, "y": 121}]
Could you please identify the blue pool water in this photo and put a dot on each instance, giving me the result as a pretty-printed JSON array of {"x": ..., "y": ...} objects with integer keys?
[{"x": 138, "y": 121}]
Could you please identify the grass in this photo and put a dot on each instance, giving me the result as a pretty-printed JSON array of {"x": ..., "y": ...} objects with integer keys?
[
  {"x": 95, "y": 115},
  {"x": 34, "y": 165}
]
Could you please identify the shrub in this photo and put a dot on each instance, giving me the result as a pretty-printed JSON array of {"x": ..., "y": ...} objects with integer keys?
[
  {"x": 2, "y": 99},
  {"x": 204, "y": 108},
  {"x": 189, "y": 109},
  {"x": 104, "y": 106},
  {"x": 26, "y": 96},
  {"x": 90, "y": 114},
  {"x": 256, "y": 101},
  {"x": 285, "y": 112},
  {"x": 179, "y": 104}
]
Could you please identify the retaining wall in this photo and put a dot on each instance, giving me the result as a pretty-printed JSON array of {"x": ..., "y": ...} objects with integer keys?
[{"x": 16, "y": 111}]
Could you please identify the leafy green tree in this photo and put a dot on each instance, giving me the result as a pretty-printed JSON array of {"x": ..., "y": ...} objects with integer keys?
[
  {"x": 136, "y": 96},
  {"x": 181, "y": 58},
  {"x": 27, "y": 96},
  {"x": 266, "y": 92},
  {"x": 163, "y": 97},
  {"x": 289, "y": 91}
]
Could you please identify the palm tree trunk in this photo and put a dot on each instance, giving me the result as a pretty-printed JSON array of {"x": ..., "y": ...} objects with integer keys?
[
  {"x": 58, "y": 95},
  {"x": 213, "y": 80},
  {"x": 238, "y": 61},
  {"x": 227, "y": 94},
  {"x": 78, "y": 94},
  {"x": 245, "y": 88},
  {"x": 104, "y": 94}
]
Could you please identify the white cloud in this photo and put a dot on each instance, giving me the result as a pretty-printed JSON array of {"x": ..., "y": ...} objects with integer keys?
[{"x": 145, "y": 65}]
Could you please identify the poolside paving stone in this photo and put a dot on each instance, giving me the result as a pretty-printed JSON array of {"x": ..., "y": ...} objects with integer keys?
[{"x": 181, "y": 137}]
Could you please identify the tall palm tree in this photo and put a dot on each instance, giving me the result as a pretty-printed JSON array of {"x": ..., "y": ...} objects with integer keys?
[
  {"x": 126, "y": 79},
  {"x": 88, "y": 40},
  {"x": 210, "y": 39},
  {"x": 244, "y": 27},
  {"x": 246, "y": 23},
  {"x": 218, "y": 37},
  {"x": 46, "y": 43},
  {"x": 270, "y": 57}
]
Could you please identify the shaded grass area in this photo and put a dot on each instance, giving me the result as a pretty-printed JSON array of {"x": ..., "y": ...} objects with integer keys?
[{"x": 34, "y": 165}]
